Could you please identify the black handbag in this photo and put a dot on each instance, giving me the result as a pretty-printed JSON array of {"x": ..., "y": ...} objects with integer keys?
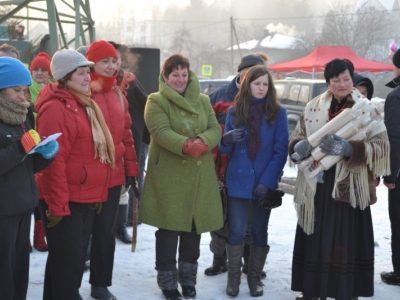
[{"x": 272, "y": 199}]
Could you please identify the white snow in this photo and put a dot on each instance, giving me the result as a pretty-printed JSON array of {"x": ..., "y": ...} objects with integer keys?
[{"x": 135, "y": 277}]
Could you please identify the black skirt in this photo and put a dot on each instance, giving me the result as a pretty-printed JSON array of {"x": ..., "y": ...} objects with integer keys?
[{"x": 337, "y": 260}]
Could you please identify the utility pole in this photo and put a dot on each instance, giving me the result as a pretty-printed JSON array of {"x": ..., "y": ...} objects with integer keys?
[{"x": 233, "y": 31}]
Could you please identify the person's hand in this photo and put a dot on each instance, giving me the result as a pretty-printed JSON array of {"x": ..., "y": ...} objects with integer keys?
[
  {"x": 29, "y": 140},
  {"x": 377, "y": 181},
  {"x": 261, "y": 190},
  {"x": 335, "y": 145},
  {"x": 97, "y": 206},
  {"x": 303, "y": 149},
  {"x": 131, "y": 181},
  {"x": 49, "y": 150},
  {"x": 234, "y": 136},
  {"x": 54, "y": 220},
  {"x": 390, "y": 186},
  {"x": 195, "y": 147}
]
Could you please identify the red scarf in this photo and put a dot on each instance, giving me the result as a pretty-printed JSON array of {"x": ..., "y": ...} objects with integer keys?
[{"x": 101, "y": 83}]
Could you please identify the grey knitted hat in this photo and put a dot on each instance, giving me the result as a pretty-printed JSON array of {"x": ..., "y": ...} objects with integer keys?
[
  {"x": 250, "y": 61},
  {"x": 65, "y": 61}
]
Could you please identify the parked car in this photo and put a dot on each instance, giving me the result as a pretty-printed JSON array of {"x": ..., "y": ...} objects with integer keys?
[
  {"x": 209, "y": 85},
  {"x": 294, "y": 95}
]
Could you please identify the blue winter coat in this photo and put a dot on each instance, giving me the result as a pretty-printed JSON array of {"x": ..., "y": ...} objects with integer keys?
[{"x": 243, "y": 174}]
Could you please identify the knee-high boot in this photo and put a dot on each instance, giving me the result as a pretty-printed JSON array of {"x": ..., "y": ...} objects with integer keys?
[
  {"x": 168, "y": 283},
  {"x": 234, "y": 254},
  {"x": 256, "y": 264}
]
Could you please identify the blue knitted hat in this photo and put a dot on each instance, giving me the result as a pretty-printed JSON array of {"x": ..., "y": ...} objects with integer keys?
[{"x": 13, "y": 73}]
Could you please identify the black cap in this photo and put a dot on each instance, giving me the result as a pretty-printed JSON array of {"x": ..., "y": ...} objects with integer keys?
[
  {"x": 364, "y": 81},
  {"x": 396, "y": 58},
  {"x": 250, "y": 61}
]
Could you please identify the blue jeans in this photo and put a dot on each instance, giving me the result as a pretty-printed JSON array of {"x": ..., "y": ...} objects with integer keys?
[{"x": 237, "y": 214}]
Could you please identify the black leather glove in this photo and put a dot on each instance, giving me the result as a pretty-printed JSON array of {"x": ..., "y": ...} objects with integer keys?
[
  {"x": 261, "y": 190},
  {"x": 335, "y": 145},
  {"x": 97, "y": 207},
  {"x": 303, "y": 149},
  {"x": 233, "y": 136},
  {"x": 131, "y": 181},
  {"x": 54, "y": 220}
]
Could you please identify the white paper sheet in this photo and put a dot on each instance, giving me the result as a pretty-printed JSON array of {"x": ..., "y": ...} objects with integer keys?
[{"x": 45, "y": 141}]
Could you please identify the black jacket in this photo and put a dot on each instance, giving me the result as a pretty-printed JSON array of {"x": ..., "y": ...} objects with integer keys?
[
  {"x": 392, "y": 122},
  {"x": 18, "y": 191}
]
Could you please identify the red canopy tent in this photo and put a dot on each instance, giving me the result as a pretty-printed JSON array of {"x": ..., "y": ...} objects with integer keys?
[{"x": 320, "y": 56}]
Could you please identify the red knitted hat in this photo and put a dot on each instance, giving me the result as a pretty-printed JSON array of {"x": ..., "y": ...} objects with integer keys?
[
  {"x": 42, "y": 61},
  {"x": 99, "y": 50}
]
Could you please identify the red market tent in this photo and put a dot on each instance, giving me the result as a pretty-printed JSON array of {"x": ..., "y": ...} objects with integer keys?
[{"x": 315, "y": 62}]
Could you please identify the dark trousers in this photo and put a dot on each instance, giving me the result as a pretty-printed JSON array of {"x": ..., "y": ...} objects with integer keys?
[
  {"x": 394, "y": 215},
  {"x": 103, "y": 240},
  {"x": 167, "y": 246},
  {"x": 14, "y": 256},
  {"x": 67, "y": 242}
]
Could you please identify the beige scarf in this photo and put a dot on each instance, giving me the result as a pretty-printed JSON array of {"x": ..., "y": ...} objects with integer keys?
[
  {"x": 103, "y": 141},
  {"x": 12, "y": 112},
  {"x": 356, "y": 178}
]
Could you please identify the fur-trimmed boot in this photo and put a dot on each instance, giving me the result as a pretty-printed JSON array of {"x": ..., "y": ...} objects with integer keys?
[
  {"x": 168, "y": 283},
  {"x": 187, "y": 273},
  {"x": 234, "y": 254},
  {"x": 256, "y": 264}
]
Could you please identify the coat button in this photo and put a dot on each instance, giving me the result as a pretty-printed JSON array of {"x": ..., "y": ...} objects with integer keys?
[
  {"x": 194, "y": 115},
  {"x": 251, "y": 171},
  {"x": 184, "y": 162},
  {"x": 68, "y": 105},
  {"x": 199, "y": 162},
  {"x": 243, "y": 151},
  {"x": 184, "y": 129},
  {"x": 197, "y": 130},
  {"x": 240, "y": 171},
  {"x": 183, "y": 113},
  {"x": 76, "y": 109}
]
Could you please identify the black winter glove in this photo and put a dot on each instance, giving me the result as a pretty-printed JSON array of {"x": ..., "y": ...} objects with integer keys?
[
  {"x": 131, "y": 181},
  {"x": 261, "y": 190},
  {"x": 335, "y": 145},
  {"x": 233, "y": 136}
]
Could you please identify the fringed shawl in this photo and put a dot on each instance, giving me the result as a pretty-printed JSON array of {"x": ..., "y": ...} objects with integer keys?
[{"x": 351, "y": 181}]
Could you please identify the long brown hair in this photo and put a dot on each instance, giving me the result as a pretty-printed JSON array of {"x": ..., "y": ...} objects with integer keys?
[{"x": 242, "y": 101}]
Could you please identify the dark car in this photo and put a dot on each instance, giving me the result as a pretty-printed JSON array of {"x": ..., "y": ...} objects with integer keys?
[
  {"x": 294, "y": 94},
  {"x": 209, "y": 85}
]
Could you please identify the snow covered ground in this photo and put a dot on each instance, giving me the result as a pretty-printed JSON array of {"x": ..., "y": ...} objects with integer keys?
[{"x": 135, "y": 277}]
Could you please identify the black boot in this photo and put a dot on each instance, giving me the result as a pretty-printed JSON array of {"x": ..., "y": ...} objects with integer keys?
[
  {"x": 234, "y": 254},
  {"x": 168, "y": 283},
  {"x": 101, "y": 293},
  {"x": 187, "y": 273},
  {"x": 120, "y": 228},
  {"x": 246, "y": 256},
  {"x": 218, "y": 266},
  {"x": 256, "y": 264}
]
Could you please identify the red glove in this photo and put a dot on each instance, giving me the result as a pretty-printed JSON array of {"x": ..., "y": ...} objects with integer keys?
[
  {"x": 29, "y": 140},
  {"x": 195, "y": 148}
]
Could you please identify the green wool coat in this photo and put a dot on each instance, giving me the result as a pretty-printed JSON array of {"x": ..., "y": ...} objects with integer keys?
[{"x": 178, "y": 188}]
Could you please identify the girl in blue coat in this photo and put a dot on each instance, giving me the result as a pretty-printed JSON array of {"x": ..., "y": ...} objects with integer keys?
[{"x": 256, "y": 139}]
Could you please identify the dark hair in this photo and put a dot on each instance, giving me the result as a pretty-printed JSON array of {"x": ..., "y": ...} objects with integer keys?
[
  {"x": 62, "y": 83},
  {"x": 336, "y": 67},
  {"x": 173, "y": 62},
  {"x": 7, "y": 48},
  {"x": 241, "y": 103}
]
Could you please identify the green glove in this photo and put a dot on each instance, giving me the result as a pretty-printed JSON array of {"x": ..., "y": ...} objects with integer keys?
[
  {"x": 97, "y": 207},
  {"x": 54, "y": 220}
]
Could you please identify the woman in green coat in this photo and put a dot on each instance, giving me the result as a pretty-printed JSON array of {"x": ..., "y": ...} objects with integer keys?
[{"x": 180, "y": 195}]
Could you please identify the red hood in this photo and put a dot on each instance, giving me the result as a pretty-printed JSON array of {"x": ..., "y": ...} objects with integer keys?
[{"x": 50, "y": 92}]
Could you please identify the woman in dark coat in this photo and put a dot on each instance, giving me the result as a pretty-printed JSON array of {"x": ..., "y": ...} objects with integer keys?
[{"x": 18, "y": 191}]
